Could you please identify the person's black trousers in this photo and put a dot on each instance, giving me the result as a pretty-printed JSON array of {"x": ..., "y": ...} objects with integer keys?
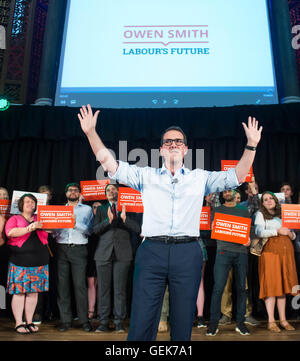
[
  {"x": 113, "y": 274},
  {"x": 71, "y": 264}
]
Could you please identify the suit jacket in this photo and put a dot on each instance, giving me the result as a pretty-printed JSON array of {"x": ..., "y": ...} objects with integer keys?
[{"x": 113, "y": 237}]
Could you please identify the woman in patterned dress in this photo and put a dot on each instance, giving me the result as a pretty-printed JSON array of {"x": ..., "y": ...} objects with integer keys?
[{"x": 28, "y": 263}]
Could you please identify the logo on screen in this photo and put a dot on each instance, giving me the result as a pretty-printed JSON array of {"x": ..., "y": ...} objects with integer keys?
[
  {"x": 155, "y": 39},
  {"x": 165, "y": 34}
]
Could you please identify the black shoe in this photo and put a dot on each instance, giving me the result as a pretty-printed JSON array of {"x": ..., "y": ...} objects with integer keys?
[
  {"x": 102, "y": 328},
  {"x": 87, "y": 327},
  {"x": 200, "y": 322},
  {"x": 212, "y": 329},
  {"x": 64, "y": 327},
  {"x": 119, "y": 328},
  {"x": 242, "y": 329}
]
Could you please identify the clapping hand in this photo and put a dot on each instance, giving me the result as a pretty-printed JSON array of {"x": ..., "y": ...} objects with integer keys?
[
  {"x": 34, "y": 226},
  {"x": 123, "y": 214},
  {"x": 110, "y": 215}
]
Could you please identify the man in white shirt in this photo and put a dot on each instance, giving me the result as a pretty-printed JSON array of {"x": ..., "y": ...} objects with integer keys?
[{"x": 172, "y": 198}]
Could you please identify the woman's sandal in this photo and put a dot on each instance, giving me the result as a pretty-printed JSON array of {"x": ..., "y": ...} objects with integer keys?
[
  {"x": 287, "y": 326},
  {"x": 22, "y": 333},
  {"x": 273, "y": 327},
  {"x": 31, "y": 327}
]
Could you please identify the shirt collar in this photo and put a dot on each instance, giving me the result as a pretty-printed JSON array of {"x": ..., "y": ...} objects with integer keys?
[
  {"x": 182, "y": 170},
  {"x": 79, "y": 204}
]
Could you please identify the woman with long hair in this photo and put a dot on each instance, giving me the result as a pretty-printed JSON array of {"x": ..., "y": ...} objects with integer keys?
[{"x": 276, "y": 268}]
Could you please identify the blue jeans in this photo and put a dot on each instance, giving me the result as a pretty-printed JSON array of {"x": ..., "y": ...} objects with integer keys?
[{"x": 225, "y": 260}]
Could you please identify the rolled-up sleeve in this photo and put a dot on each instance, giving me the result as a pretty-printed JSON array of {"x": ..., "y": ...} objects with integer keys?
[
  {"x": 220, "y": 181},
  {"x": 128, "y": 174}
]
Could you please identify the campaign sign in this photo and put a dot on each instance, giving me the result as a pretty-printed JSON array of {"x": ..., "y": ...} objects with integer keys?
[
  {"x": 231, "y": 228},
  {"x": 94, "y": 190},
  {"x": 53, "y": 217},
  {"x": 228, "y": 164},
  {"x": 131, "y": 199},
  {"x": 205, "y": 219},
  {"x": 5, "y": 207},
  {"x": 41, "y": 200},
  {"x": 290, "y": 214}
]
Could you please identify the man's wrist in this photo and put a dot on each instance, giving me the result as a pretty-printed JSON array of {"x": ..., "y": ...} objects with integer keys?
[{"x": 250, "y": 147}]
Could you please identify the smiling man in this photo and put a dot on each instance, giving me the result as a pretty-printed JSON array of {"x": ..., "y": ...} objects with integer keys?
[{"x": 172, "y": 198}]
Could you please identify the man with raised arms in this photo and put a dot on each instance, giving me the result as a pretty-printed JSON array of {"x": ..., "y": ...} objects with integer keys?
[{"x": 172, "y": 198}]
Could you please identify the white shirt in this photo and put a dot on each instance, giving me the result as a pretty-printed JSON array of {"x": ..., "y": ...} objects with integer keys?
[{"x": 172, "y": 204}]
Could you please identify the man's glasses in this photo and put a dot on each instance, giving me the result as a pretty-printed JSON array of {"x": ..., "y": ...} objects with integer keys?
[
  {"x": 168, "y": 142},
  {"x": 73, "y": 190}
]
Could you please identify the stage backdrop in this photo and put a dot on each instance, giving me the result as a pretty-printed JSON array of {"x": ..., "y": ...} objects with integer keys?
[{"x": 45, "y": 145}]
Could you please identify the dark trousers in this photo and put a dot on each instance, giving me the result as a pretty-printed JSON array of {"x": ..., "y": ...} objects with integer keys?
[
  {"x": 156, "y": 265},
  {"x": 115, "y": 272},
  {"x": 71, "y": 264},
  {"x": 225, "y": 260}
]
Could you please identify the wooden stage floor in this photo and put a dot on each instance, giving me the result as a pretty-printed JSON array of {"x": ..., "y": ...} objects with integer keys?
[{"x": 49, "y": 332}]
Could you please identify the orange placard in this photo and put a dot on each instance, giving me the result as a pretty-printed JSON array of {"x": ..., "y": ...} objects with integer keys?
[
  {"x": 5, "y": 207},
  {"x": 228, "y": 164},
  {"x": 205, "y": 219},
  {"x": 94, "y": 190},
  {"x": 54, "y": 217},
  {"x": 131, "y": 199},
  {"x": 290, "y": 214},
  {"x": 231, "y": 228}
]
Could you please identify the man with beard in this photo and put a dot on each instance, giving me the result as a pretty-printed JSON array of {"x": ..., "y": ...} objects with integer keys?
[
  {"x": 72, "y": 261},
  {"x": 230, "y": 254},
  {"x": 172, "y": 199}
]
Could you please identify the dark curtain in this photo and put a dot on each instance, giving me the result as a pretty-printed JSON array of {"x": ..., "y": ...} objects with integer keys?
[{"x": 45, "y": 145}]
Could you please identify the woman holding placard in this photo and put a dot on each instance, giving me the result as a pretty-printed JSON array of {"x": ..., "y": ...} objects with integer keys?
[
  {"x": 28, "y": 263},
  {"x": 277, "y": 269}
]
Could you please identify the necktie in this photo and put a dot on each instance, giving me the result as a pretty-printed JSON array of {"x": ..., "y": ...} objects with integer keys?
[{"x": 114, "y": 212}]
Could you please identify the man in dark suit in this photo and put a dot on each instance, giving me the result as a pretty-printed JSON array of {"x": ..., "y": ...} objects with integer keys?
[{"x": 113, "y": 257}]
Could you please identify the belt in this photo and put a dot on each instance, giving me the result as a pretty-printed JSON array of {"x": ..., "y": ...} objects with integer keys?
[
  {"x": 71, "y": 245},
  {"x": 170, "y": 239}
]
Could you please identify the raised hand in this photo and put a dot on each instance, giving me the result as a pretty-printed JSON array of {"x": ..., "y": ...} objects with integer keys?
[
  {"x": 252, "y": 186},
  {"x": 252, "y": 132},
  {"x": 88, "y": 120}
]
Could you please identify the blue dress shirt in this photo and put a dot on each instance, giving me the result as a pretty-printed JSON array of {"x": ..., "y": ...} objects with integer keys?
[
  {"x": 83, "y": 227},
  {"x": 172, "y": 204}
]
